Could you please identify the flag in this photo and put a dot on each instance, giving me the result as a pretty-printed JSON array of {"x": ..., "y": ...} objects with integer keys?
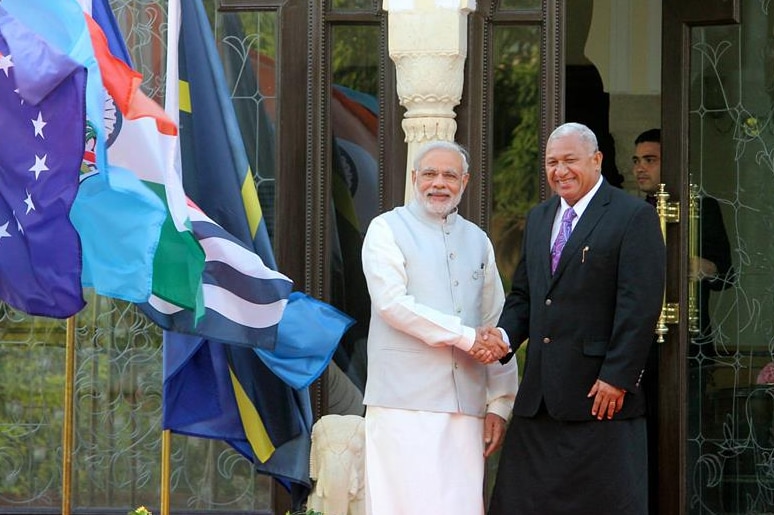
[
  {"x": 275, "y": 419},
  {"x": 216, "y": 173},
  {"x": 118, "y": 219},
  {"x": 269, "y": 415},
  {"x": 203, "y": 397},
  {"x": 307, "y": 337},
  {"x": 213, "y": 139},
  {"x": 101, "y": 12},
  {"x": 243, "y": 299},
  {"x": 354, "y": 194},
  {"x": 42, "y": 96},
  {"x": 145, "y": 142}
]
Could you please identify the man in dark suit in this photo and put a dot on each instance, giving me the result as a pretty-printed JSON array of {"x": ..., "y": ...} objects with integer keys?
[
  {"x": 577, "y": 441},
  {"x": 711, "y": 268}
]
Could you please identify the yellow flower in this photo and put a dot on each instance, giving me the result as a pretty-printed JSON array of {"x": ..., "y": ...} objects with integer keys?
[{"x": 142, "y": 510}]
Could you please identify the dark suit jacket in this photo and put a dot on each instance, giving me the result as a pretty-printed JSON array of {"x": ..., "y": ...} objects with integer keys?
[
  {"x": 713, "y": 246},
  {"x": 595, "y": 317}
]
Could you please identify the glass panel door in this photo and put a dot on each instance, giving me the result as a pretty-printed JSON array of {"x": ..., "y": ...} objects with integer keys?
[{"x": 730, "y": 431}]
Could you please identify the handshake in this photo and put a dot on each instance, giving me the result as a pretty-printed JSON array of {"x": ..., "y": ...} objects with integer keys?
[{"x": 489, "y": 345}]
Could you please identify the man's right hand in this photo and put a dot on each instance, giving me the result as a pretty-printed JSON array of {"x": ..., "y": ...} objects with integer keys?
[{"x": 489, "y": 345}]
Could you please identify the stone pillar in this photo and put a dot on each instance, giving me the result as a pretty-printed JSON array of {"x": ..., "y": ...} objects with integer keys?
[{"x": 428, "y": 43}]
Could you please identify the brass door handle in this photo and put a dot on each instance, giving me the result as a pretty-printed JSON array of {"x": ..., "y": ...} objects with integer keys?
[
  {"x": 668, "y": 212},
  {"x": 693, "y": 255}
]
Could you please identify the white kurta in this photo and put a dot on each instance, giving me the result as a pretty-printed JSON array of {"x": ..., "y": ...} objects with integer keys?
[{"x": 432, "y": 282}]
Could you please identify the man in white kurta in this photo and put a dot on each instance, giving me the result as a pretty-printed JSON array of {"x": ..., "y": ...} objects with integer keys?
[{"x": 436, "y": 397}]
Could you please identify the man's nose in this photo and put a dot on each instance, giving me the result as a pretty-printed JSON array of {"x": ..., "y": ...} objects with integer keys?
[{"x": 561, "y": 168}]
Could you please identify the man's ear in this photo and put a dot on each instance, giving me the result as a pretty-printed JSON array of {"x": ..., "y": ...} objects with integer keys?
[
  {"x": 597, "y": 159},
  {"x": 413, "y": 176}
]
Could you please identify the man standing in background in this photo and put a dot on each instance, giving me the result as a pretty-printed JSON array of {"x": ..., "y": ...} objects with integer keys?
[{"x": 712, "y": 266}]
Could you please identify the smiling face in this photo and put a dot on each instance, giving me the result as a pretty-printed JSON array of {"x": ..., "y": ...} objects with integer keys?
[
  {"x": 572, "y": 166},
  {"x": 646, "y": 166},
  {"x": 439, "y": 181}
]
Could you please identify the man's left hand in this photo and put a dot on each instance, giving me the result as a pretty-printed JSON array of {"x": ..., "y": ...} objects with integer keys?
[{"x": 494, "y": 433}]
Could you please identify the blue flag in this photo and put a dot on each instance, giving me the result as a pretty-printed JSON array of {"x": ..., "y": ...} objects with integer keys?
[
  {"x": 42, "y": 94},
  {"x": 275, "y": 419},
  {"x": 203, "y": 397},
  {"x": 306, "y": 340},
  {"x": 217, "y": 176},
  {"x": 267, "y": 413}
]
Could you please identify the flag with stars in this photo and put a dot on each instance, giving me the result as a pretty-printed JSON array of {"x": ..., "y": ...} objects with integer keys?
[
  {"x": 42, "y": 96},
  {"x": 118, "y": 218}
]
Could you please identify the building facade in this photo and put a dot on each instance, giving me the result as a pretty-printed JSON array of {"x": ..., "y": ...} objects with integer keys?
[{"x": 332, "y": 97}]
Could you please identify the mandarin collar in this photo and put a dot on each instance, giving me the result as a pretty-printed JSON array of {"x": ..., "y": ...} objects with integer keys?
[{"x": 421, "y": 213}]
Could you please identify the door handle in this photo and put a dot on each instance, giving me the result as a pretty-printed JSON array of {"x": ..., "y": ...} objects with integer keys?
[
  {"x": 693, "y": 256},
  {"x": 668, "y": 212}
]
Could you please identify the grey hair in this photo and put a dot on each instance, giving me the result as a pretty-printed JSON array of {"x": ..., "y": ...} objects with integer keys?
[
  {"x": 586, "y": 135},
  {"x": 442, "y": 145}
]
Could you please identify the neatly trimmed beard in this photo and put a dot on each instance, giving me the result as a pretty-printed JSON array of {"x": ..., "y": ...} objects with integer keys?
[{"x": 440, "y": 209}]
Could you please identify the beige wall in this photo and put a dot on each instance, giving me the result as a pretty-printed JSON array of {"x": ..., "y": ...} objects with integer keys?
[{"x": 624, "y": 43}]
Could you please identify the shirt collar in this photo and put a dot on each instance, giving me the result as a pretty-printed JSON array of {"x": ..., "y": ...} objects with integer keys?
[{"x": 583, "y": 203}]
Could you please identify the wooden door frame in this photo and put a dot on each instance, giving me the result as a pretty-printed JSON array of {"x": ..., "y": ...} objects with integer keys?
[
  {"x": 474, "y": 116},
  {"x": 679, "y": 17}
]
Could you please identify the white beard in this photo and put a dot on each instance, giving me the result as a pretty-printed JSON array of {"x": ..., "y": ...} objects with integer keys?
[{"x": 440, "y": 209}]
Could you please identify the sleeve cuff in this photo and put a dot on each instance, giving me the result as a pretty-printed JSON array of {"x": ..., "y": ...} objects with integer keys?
[
  {"x": 505, "y": 336},
  {"x": 467, "y": 339},
  {"x": 501, "y": 406}
]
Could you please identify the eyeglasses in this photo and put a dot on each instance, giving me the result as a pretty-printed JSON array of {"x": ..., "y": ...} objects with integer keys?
[{"x": 431, "y": 174}]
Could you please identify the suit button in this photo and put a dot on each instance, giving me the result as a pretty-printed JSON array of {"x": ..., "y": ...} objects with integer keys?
[
  {"x": 548, "y": 302},
  {"x": 546, "y": 340}
]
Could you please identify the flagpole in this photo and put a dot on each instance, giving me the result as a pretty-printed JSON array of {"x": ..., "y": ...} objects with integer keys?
[
  {"x": 166, "y": 449},
  {"x": 67, "y": 428}
]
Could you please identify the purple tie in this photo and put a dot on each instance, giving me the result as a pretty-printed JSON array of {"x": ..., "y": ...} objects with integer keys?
[{"x": 564, "y": 234}]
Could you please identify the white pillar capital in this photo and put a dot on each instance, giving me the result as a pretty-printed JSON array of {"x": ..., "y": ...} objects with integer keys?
[
  {"x": 418, "y": 5},
  {"x": 428, "y": 44}
]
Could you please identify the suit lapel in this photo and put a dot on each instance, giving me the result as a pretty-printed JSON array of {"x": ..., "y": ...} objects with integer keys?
[{"x": 591, "y": 216}]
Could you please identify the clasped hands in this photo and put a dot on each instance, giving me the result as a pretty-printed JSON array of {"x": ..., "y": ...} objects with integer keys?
[{"x": 489, "y": 345}]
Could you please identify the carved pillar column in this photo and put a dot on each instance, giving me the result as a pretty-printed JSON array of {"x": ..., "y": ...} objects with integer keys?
[{"x": 428, "y": 43}]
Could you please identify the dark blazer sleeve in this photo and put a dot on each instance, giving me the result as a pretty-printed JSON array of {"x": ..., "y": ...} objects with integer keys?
[{"x": 640, "y": 287}]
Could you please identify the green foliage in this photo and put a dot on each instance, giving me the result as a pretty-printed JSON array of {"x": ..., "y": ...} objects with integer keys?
[
  {"x": 517, "y": 167},
  {"x": 356, "y": 57},
  {"x": 515, "y": 141}
]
